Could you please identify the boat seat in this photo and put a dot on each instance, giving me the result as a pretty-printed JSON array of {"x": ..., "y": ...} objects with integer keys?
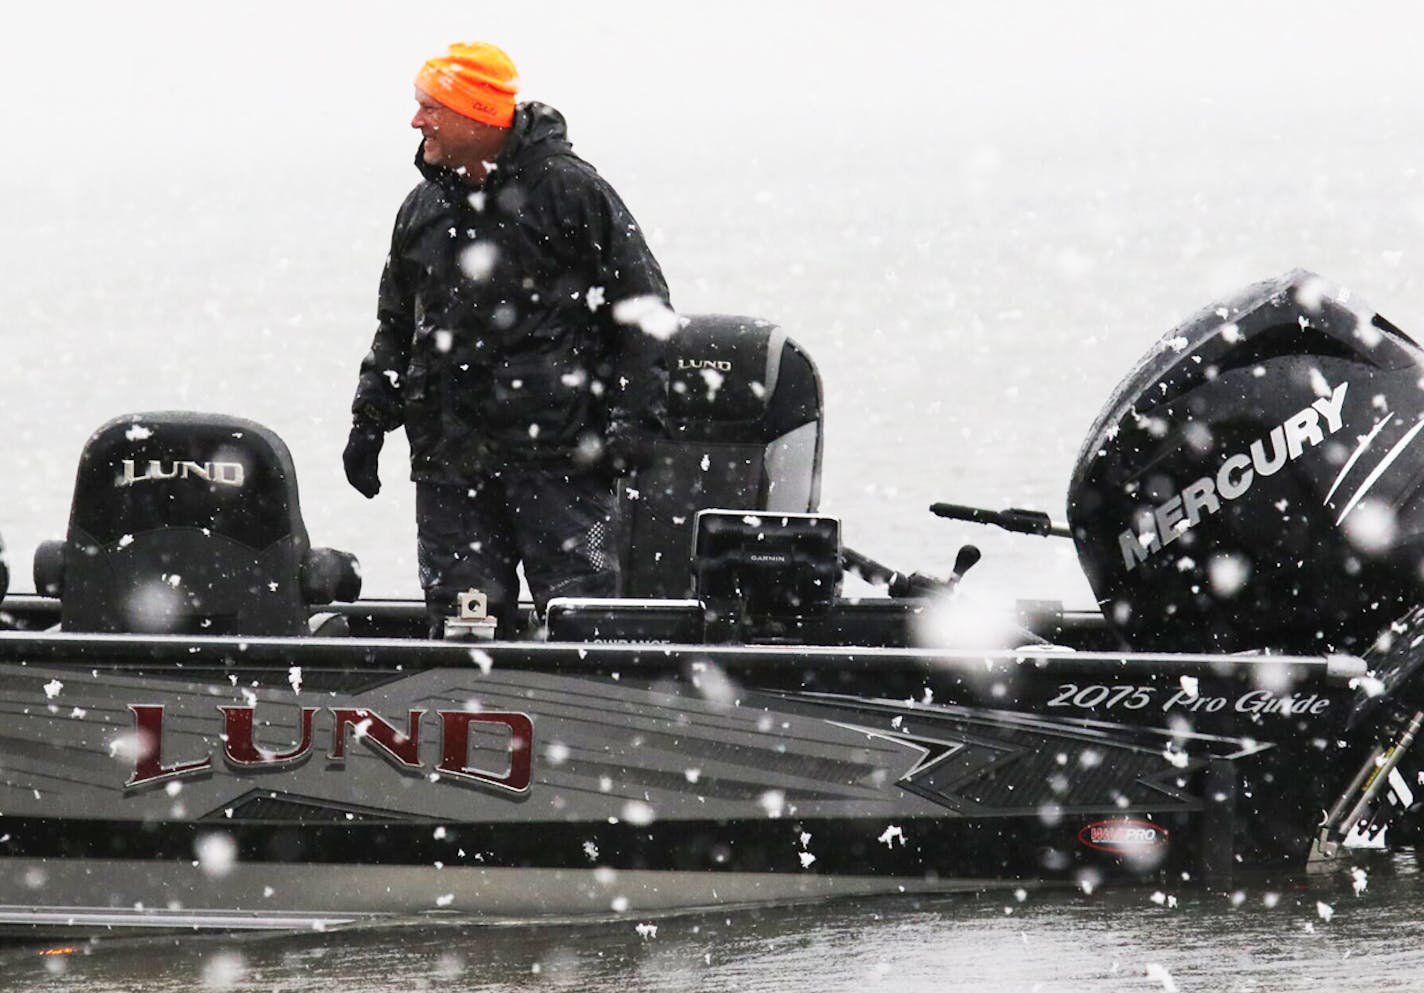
[
  {"x": 743, "y": 432},
  {"x": 187, "y": 523},
  {"x": 5, "y": 620}
]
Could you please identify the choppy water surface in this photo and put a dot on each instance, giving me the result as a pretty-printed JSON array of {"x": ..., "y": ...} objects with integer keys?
[{"x": 1318, "y": 934}]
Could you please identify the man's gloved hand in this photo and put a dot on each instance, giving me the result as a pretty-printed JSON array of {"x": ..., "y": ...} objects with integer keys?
[
  {"x": 362, "y": 458},
  {"x": 627, "y": 448}
]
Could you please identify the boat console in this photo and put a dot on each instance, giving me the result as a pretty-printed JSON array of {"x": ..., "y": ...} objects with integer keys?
[
  {"x": 757, "y": 578},
  {"x": 743, "y": 431},
  {"x": 723, "y": 542}
]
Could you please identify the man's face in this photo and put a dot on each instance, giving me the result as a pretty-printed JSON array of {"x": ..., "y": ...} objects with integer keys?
[{"x": 453, "y": 140}]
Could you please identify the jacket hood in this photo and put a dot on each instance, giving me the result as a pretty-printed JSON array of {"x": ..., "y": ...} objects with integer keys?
[{"x": 539, "y": 132}]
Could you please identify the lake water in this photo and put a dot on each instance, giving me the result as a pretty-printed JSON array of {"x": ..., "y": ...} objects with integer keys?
[
  {"x": 1320, "y": 934},
  {"x": 974, "y": 246}
]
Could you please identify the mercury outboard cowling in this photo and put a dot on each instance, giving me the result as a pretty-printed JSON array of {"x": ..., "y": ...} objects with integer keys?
[{"x": 1256, "y": 481}]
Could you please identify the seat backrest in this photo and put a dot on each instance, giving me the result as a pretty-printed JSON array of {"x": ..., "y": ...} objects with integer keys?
[
  {"x": 189, "y": 523},
  {"x": 743, "y": 432}
]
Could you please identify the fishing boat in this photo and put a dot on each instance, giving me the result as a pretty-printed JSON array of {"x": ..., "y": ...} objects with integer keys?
[{"x": 208, "y": 728}]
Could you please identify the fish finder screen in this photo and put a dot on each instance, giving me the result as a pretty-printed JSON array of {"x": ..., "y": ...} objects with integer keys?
[{"x": 771, "y": 564}]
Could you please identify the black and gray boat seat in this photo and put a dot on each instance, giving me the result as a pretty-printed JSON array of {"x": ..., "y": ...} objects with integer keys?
[
  {"x": 743, "y": 432},
  {"x": 187, "y": 523},
  {"x": 4, "y": 571}
]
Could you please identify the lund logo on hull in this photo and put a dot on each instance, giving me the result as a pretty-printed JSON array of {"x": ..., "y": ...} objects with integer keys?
[
  {"x": 400, "y": 748},
  {"x": 1123, "y": 836}
]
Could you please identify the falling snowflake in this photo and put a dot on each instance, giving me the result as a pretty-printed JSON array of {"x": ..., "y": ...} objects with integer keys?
[
  {"x": 638, "y": 813},
  {"x": 1161, "y": 975},
  {"x": 478, "y": 261},
  {"x": 482, "y": 659},
  {"x": 649, "y": 314},
  {"x": 217, "y": 854},
  {"x": 223, "y": 971},
  {"x": 890, "y": 835}
]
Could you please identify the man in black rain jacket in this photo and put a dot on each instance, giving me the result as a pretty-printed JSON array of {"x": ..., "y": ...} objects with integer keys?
[{"x": 518, "y": 319}]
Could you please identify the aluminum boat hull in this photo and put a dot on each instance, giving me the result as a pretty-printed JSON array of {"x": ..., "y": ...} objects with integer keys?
[{"x": 174, "y": 781}]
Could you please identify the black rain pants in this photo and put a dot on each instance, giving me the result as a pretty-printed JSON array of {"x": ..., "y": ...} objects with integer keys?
[{"x": 562, "y": 525}]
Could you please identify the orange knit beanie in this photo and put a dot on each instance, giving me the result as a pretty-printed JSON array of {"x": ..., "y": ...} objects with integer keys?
[{"x": 476, "y": 80}]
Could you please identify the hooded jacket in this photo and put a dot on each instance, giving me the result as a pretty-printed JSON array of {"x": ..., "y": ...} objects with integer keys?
[{"x": 496, "y": 339}]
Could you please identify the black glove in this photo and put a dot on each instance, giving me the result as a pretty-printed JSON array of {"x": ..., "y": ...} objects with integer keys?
[
  {"x": 362, "y": 458},
  {"x": 627, "y": 449}
]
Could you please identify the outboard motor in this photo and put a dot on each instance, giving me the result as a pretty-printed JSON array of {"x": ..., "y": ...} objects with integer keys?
[
  {"x": 744, "y": 433},
  {"x": 189, "y": 523},
  {"x": 1255, "y": 481}
]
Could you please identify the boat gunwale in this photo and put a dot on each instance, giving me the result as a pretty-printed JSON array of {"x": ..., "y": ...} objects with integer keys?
[{"x": 121, "y": 650}]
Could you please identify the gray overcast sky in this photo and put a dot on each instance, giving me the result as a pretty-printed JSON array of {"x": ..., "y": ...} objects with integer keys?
[{"x": 133, "y": 81}]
